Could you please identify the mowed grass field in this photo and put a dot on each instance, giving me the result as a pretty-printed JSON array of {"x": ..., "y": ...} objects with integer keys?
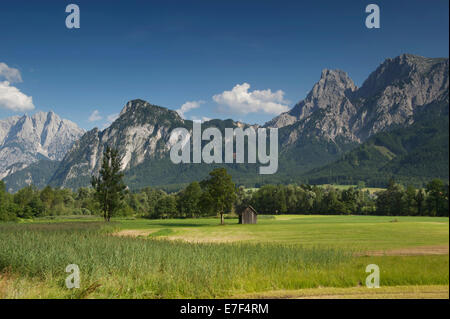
[
  {"x": 348, "y": 232},
  {"x": 287, "y": 256}
]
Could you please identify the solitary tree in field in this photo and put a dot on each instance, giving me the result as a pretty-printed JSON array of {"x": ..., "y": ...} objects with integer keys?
[
  {"x": 222, "y": 191},
  {"x": 109, "y": 186}
]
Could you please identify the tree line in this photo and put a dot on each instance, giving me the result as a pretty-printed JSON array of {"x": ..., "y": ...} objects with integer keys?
[
  {"x": 218, "y": 195},
  {"x": 197, "y": 200},
  {"x": 395, "y": 200}
]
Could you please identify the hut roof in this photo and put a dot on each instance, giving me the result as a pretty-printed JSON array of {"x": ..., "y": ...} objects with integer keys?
[{"x": 244, "y": 208}]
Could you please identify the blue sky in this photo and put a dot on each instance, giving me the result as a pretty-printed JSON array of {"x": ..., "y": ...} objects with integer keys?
[{"x": 173, "y": 52}]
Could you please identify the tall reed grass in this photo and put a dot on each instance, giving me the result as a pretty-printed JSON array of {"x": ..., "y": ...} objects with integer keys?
[{"x": 150, "y": 268}]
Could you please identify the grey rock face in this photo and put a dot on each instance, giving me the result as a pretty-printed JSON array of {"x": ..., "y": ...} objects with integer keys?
[
  {"x": 332, "y": 90},
  {"x": 26, "y": 139},
  {"x": 389, "y": 97},
  {"x": 141, "y": 132},
  {"x": 394, "y": 92}
]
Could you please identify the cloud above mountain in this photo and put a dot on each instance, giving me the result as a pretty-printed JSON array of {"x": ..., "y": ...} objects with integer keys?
[
  {"x": 11, "y": 75},
  {"x": 11, "y": 98},
  {"x": 112, "y": 117},
  {"x": 242, "y": 101},
  {"x": 109, "y": 119},
  {"x": 189, "y": 105},
  {"x": 95, "y": 116}
]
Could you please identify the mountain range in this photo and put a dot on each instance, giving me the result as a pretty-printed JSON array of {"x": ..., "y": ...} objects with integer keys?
[
  {"x": 28, "y": 139},
  {"x": 394, "y": 125}
]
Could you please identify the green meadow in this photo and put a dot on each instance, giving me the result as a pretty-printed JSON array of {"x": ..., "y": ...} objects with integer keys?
[
  {"x": 346, "y": 232},
  {"x": 281, "y": 256}
]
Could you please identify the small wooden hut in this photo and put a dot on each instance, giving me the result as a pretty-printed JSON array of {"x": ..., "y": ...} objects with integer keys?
[{"x": 248, "y": 215}]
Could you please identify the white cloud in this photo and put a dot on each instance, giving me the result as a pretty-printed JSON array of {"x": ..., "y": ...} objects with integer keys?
[
  {"x": 12, "y": 99},
  {"x": 112, "y": 117},
  {"x": 109, "y": 119},
  {"x": 95, "y": 116},
  {"x": 190, "y": 105},
  {"x": 11, "y": 75},
  {"x": 240, "y": 100}
]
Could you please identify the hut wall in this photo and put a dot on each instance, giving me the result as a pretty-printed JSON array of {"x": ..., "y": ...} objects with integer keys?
[{"x": 248, "y": 217}]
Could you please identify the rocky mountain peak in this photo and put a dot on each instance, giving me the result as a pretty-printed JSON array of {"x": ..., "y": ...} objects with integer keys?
[
  {"x": 389, "y": 97},
  {"x": 405, "y": 68},
  {"x": 132, "y": 105},
  {"x": 140, "y": 133},
  {"x": 396, "y": 90},
  {"x": 332, "y": 83},
  {"x": 26, "y": 139},
  {"x": 331, "y": 91},
  {"x": 336, "y": 77},
  {"x": 140, "y": 112}
]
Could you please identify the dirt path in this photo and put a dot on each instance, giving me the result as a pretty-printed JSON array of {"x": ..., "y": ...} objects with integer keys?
[
  {"x": 394, "y": 292},
  {"x": 222, "y": 238},
  {"x": 133, "y": 233},
  {"x": 410, "y": 251}
]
